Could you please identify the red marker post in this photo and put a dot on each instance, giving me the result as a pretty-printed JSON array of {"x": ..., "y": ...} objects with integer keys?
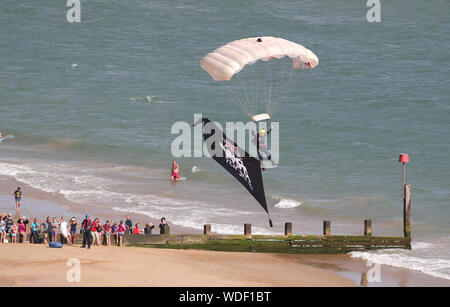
[{"x": 404, "y": 158}]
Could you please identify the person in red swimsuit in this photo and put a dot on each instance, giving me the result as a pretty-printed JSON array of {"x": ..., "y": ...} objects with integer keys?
[{"x": 175, "y": 176}]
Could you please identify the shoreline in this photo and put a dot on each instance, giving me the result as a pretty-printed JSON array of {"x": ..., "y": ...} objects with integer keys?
[
  {"x": 348, "y": 271},
  {"x": 34, "y": 198}
]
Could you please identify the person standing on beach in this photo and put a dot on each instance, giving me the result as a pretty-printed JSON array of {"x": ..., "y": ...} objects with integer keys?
[
  {"x": 162, "y": 225},
  {"x": 2, "y": 229},
  {"x": 129, "y": 224},
  {"x": 73, "y": 229},
  {"x": 94, "y": 228},
  {"x": 46, "y": 228},
  {"x": 55, "y": 226},
  {"x": 148, "y": 228},
  {"x": 121, "y": 232},
  {"x": 86, "y": 227},
  {"x": 175, "y": 174},
  {"x": 107, "y": 231},
  {"x": 25, "y": 221},
  {"x": 22, "y": 231},
  {"x": 100, "y": 233},
  {"x": 64, "y": 230},
  {"x": 34, "y": 231},
  {"x": 114, "y": 230},
  {"x": 9, "y": 223},
  {"x": 18, "y": 198}
]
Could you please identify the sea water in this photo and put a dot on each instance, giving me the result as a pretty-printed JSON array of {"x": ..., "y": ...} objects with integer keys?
[{"x": 87, "y": 109}]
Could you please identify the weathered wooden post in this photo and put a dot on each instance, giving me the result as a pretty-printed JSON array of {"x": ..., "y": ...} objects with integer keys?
[
  {"x": 367, "y": 227},
  {"x": 326, "y": 228},
  {"x": 407, "y": 210},
  {"x": 288, "y": 229},
  {"x": 248, "y": 229},
  {"x": 207, "y": 229}
]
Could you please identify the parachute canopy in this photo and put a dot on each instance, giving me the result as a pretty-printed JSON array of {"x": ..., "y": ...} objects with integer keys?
[
  {"x": 266, "y": 83},
  {"x": 224, "y": 62}
]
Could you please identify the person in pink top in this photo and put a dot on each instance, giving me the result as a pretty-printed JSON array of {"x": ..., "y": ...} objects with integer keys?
[
  {"x": 22, "y": 231},
  {"x": 121, "y": 232}
]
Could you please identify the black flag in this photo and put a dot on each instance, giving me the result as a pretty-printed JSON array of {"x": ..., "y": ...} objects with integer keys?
[{"x": 245, "y": 168}]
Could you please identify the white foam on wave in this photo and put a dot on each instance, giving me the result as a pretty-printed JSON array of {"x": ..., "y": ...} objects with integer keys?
[
  {"x": 286, "y": 203},
  {"x": 195, "y": 169},
  {"x": 404, "y": 259}
]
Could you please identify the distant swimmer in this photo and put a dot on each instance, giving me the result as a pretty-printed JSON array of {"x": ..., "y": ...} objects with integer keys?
[
  {"x": 18, "y": 197},
  {"x": 175, "y": 176}
]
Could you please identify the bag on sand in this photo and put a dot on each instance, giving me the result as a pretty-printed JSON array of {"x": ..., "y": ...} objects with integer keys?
[{"x": 55, "y": 244}]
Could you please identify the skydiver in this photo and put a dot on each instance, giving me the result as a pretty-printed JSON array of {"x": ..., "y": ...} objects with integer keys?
[{"x": 260, "y": 141}]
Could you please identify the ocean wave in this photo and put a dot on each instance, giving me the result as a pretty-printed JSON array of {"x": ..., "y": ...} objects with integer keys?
[
  {"x": 286, "y": 203},
  {"x": 403, "y": 259},
  {"x": 148, "y": 99},
  {"x": 195, "y": 169}
]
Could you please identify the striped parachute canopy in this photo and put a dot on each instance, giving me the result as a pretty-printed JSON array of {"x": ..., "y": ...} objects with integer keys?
[{"x": 259, "y": 71}]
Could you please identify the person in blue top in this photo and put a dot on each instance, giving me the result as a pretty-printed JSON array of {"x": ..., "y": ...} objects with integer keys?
[
  {"x": 129, "y": 224},
  {"x": 35, "y": 231}
]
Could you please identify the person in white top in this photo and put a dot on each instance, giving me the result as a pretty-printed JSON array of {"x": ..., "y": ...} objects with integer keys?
[{"x": 64, "y": 231}]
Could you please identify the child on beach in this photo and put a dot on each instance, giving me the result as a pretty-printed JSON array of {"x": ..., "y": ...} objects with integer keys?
[
  {"x": 100, "y": 233},
  {"x": 107, "y": 231},
  {"x": 54, "y": 229},
  {"x": 13, "y": 233},
  {"x": 175, "y": 176}
]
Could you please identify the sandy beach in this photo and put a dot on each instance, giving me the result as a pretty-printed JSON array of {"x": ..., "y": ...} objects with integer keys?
[{"x": 30, "y": 265}]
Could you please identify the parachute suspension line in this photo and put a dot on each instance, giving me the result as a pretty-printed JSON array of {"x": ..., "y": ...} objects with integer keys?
[
  {"x": 244, "y": 89},
  {"x": 277, "y": 93},
  {"x": 240, "y": 101},
  {"x": 284, "y": 92},
  {"x": 252, "y": 89},
  {"x": 289, "y": 90},
  {"x": 270, "y": 92}
]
